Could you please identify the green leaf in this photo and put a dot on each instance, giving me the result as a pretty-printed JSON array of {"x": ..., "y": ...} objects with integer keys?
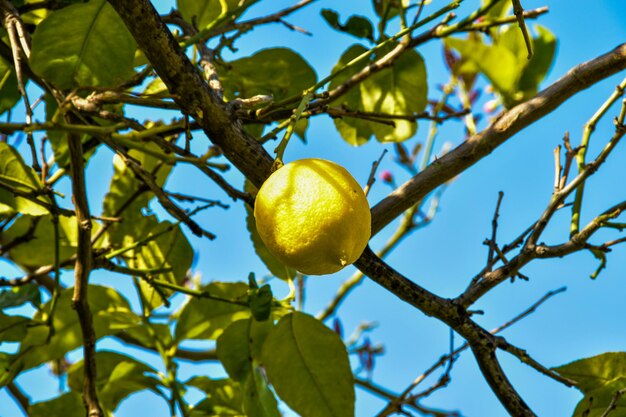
[
  {"x": 535, "y": 71},
  {"x": 203, "y": 318},
  {"x": 599, "y": 378},
  {"x": 8, "y": 368},
  {"x": 505, "y": 62},
  {"x": 170, "y": 249},
  {"x": 399, "y": 90},
  {"x": 83, "y": 44},
  {"x": 58, "y": 139},
  {"x": 15, "y": 174},
  {"x": 260, "y": 301},
  {"x": 118, "y": 377},
  {"x": 240, "y": 345},
  {"x": 354, "y": 131},
  {"x": 307, "y": 363},
  {"x": 125, "y": 193},
  {"x": 9, "y": 94},
  {"x": 13, "y": 328},
  {"x": 17, "y": 296},
  {"x": 258, "y": 399},
  {"x": 276, "y": 268},
  {"x": 496, "y": 62},
  {"x": 111, "y": 314},
  {"x": 203, "y": 13},
  {"x": 280, "y": 72},
  {"x": 224, "y": 397},
  {"x": 39, "y": 251},
  {"x": 146, "y": 336},
  {"x": 67, "y": 405},
  {"x": 390, "y": 8},
  {"x": 356, "y": 25}
]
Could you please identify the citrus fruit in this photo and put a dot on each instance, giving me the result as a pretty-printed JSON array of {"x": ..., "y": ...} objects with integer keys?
[{"x": 313, "y": 216}]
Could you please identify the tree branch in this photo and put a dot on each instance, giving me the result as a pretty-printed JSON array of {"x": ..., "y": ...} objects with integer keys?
[
  {"x": 483, "y": 143},
  {"x": 190, "y": 91},
  {"x": 82, "y": 269}
]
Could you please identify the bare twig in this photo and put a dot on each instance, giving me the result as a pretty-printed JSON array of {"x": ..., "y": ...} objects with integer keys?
[
  {"x": 82, "y": 269},
  {"x": 372, "y": 177}
]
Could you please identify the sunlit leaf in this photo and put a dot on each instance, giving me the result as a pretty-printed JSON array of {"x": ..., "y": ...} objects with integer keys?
[
  {"x": 224, "y": 397},
  {"x": 118, "y": 377},
  {"x": 111, "y": 314},
  {"x": 83, "y": 44},
  {"x": 39, "y": 250},
  {"x": 400, "y": 90},
  {"x": 599, "y": 378},
  {"x": 203, "y": 13},
  {"x": 307, "y": 363},
  {"x": 16, "y": 175},
  {"x": 203, "y": 318},
  {"x": 169, "y": 249}
]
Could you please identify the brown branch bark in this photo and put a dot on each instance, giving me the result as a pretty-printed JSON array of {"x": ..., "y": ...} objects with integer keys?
[
  {"x": 482, "y": 144},
  {"x": 82, "y": 269},
  {"x": 190, "y": 91},
  {"x": 482, "y": 343}
]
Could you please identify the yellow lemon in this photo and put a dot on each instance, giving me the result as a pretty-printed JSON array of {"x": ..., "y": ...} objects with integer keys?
[{"x": 313, "y": 216}]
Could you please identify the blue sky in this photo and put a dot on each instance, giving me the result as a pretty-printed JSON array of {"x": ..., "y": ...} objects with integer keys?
[{"x": 584, "y": 321}]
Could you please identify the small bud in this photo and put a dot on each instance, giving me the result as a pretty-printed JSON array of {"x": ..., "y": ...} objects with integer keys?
[
  {"x": 490, "y": 106},
  {"x": 386, "y": 176}
]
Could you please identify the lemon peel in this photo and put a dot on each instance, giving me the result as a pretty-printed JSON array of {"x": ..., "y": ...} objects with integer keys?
[{"x": 313, "y": 216}]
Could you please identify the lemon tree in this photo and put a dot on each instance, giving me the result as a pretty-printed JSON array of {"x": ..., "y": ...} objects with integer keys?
[
  {"x": 313, "y": 216},
  {"x": 135, "y": 135}
]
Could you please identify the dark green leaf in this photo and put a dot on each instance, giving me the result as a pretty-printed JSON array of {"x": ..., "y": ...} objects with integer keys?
[
  {"x": 118, "y": 377},
  {"x": 260, "y": 301},
  {"x": 203, "y": 13},
  {"x": 8, "y": 368},
  {"x": 276, "y": 268},
  {"x": 599, "y": 378},
  {"x": 279, "y": 72},
  {"x": 9, "y": 94},
  {"x": 67, "y": 405},
  {"x": 390, "y": 8},
  {"x": 15, "y": 174},
  {"x": 146, "y": 336},
  {"x": 16, "y": 296},
  {"x": 13, "y": 328},
  {"x": 358, "y": 26},
  {"x": 83, "y": 44},
  {"x": 202, "y": 318},
  {"x": 544, "y": 48},
  {"x": 111, "y": 314},
  {"x": 307, "y": 363},
  {"x": 240, "y": 346}
]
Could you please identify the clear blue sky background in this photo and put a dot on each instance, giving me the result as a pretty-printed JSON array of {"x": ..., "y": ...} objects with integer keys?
[{"x": 584, "y": 321}]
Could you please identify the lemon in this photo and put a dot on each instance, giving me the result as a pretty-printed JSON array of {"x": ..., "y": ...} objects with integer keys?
[{"x": 313, "y": 216}]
